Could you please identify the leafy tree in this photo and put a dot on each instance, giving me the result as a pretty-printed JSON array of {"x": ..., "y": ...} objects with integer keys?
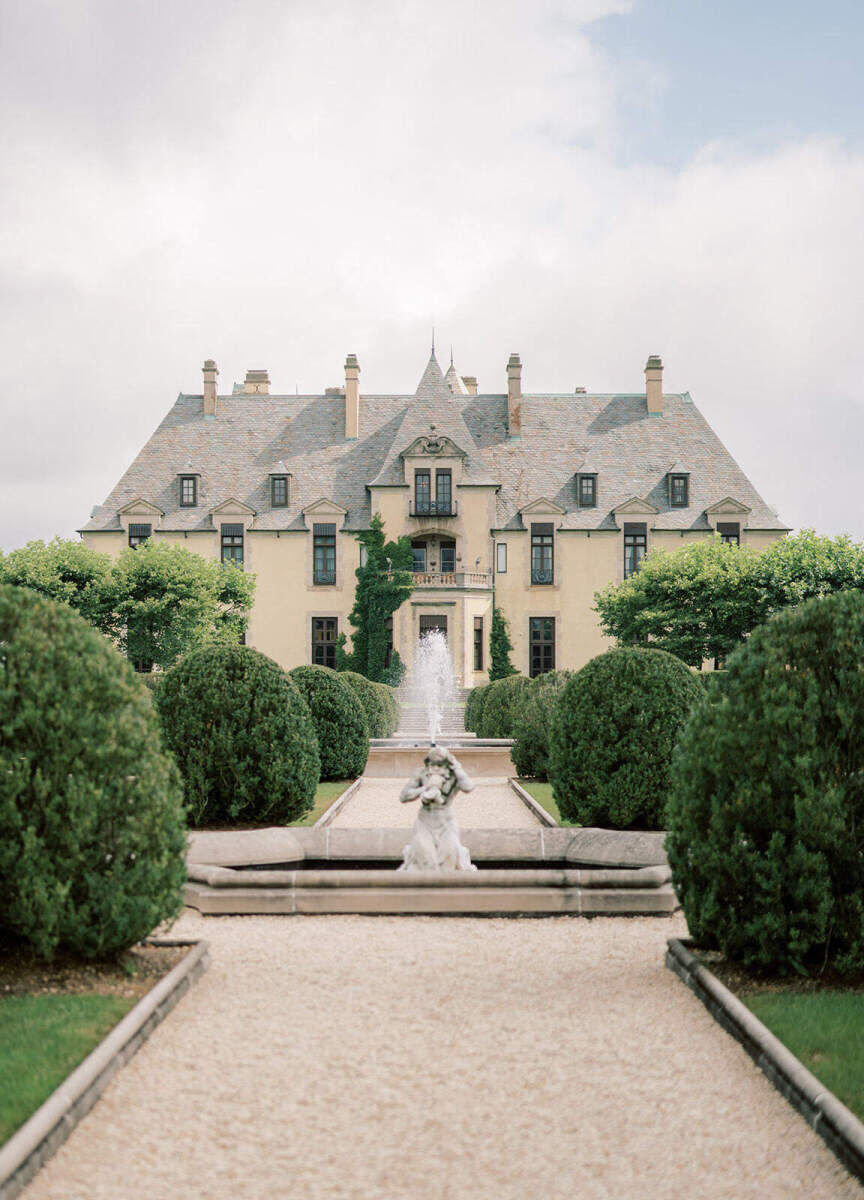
[
  {"x": 169, "y": 600},
  {"x": 500, "y": 647},
  {"x": 383, "y": 583},
  {"x": 69, "y": 572},
  {"x": 702, "y": 601}
]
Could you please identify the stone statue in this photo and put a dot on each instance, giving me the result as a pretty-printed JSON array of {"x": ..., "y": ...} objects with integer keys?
[{"x": 435, "y": 844}]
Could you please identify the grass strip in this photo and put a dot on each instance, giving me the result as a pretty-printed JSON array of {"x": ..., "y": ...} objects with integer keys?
[
  {"x": 328, "y": 790},
  {"x": 42, "y": 1039},
  {"x": 825, "y": 1030},
  {"x": 542, "y": 793}
]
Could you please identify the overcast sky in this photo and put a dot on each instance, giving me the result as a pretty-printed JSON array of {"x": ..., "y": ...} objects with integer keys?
[{"x": 275, "y": 184}]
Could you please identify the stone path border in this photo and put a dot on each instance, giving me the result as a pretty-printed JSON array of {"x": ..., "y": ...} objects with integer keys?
[
  {"x": 337, "y": 805},
  {"x": 534, "y": 806},
  {"x": 839, "y": 1128},
  {"x": 51, "y": 1124}
]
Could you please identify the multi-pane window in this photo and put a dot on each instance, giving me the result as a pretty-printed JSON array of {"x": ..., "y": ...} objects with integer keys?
[
  {"x": 232, "y": 544},
  {"x": 188, "y": 491},
  {"x": 324, "y": 641},
  {"x": 432, "y": 622},
  {"x": 139, "y": 534},
  {"x": 478, "y": 643},
  {"x": 418, "y": 550},
  {"x": 324, "y": 554},
  {"x": 635, "y": 548},
  {"x": 278, "y": 491},
  {"x": 422, "y": 493},
  {"x": 587, "y": 491},
  {"x": 448, "y": 557},
  {"x": 443, "y": 493},
  {"x": 730, "y": 533},
  {"x": 542, "y": 562},
  {"x": 679, "y": 487},
  {"x": 501, "y": 558},
  {"x": 541, "y": 645}
]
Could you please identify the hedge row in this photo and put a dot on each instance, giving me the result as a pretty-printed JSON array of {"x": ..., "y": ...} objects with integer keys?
[
  {"x": 500, "y": 706},
  {"x": 533, "y": 723}
]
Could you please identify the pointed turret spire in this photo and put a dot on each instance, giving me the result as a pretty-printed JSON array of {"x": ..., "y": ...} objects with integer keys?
[{"x": 454, "y": 380}]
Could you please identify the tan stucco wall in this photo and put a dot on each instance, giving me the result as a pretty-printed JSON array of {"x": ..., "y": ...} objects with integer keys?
[{"x": 286, "y": 599}]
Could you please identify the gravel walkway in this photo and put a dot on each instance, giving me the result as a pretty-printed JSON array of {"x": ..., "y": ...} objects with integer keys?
[
  {"x": 355, "y": 1058},
  {"x": 491, "y": 805}
]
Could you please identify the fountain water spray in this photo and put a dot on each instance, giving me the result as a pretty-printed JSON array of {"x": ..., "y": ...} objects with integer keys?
[{"x": 429, "y": 685}]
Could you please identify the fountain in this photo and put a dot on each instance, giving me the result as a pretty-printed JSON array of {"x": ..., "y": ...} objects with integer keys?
[{"x": 428, "y": 691}]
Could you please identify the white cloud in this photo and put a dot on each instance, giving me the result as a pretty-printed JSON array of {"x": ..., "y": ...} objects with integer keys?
[{"x": 279, "y": 184}]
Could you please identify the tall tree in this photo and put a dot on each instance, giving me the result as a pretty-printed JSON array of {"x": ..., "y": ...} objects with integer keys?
[
  {"x": 383, "y": 582},
  {"x": 69, "y": 572},
  {"x": 702, "y": 601},
  {"x": 500, "y": 647}
]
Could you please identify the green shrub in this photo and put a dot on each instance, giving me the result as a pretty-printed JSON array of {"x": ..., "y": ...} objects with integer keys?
[
  {"x": 532, "y": 724},
  {"x": 391, "y": 707},
  {"x": 339, "y": 720},
  {"x": 372, "y": 699},
  {"x": 241, "y": 734},
  {"x": 500, "y": 706},
  {"x": 474, "y": 707},
  {"x": 766, "y": 829},
  {"x": 92, "y": 840},
  {"x": 614, "y": 730}
]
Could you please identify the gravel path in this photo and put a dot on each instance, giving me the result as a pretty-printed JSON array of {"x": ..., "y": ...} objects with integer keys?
[
  {"x": 356, "y": 1058},
  {"x": 491, "y": 805}
]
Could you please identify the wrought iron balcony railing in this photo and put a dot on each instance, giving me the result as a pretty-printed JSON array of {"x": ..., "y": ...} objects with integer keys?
[
  {"x": 323, "y": 577},
  {"x": 542, "y": 575},
  {"x": 433, "y": 508}
]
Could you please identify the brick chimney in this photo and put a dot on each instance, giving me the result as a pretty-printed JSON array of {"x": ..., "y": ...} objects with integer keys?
[
  {"x": 352, "y": 397},
  {"x": 211, "y": 371},
  {"x": 514, "y": 395},
  {"x": 257, "y": 382},
  {"x": 654, "y": 383},
  {"x": 470, "y": 382}
]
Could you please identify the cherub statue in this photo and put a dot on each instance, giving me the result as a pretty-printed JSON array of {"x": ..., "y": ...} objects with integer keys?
[{"x": 435, "y": 844}]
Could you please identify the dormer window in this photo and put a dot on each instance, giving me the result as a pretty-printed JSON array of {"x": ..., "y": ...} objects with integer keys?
[
  {"x": 278, "y": 491},
  {"x": 679, "y": 491},
  {"x": 188, "y": 491},
  {"x": 139, "y": 534},
  {"x": 587, "y": 491}
]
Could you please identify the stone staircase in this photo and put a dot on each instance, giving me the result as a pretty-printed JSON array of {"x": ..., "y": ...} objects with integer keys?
[{"x": 413, "y": 721}]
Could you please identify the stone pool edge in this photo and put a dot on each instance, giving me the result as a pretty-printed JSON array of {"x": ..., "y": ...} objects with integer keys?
[{"x": 41, "y": 1135}]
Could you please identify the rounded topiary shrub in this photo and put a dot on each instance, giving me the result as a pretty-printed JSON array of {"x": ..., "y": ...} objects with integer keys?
[
  {"x": 615, "y": 725},
  {"x": 92, "y": 830},
  {"x": 766, "y": 815},
  {"x": 474, "y": 707},
  {"x": 339, "y": 720},
  {"x": 372, "y": 700},
  {"x": 531, "y": 727},
  {"x": 500, "y": 705},
  {"x": 242, "y": 737},
  {"x": 391, "y": 707}
]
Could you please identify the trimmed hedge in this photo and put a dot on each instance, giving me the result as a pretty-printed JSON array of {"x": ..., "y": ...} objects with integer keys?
[
  {"x": 766, "y": 831},
  {"x": 500, "y": 706},
  {"x": 241, "y": 734},
  {"x": 339, "y": 720},
  {"x": 372, "y": 699},
  {"x": 391, "y": 707},
  {"x": 474, "y": 707},
  {"x": 531, "y": 728},
  {"x": 92, "y": 839},
  {"x": 614, "y": 730}
]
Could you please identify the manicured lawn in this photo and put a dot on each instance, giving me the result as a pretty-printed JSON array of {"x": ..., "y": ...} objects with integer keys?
[
  {"x": 825, "y": 1030},
  {"x": 542, "y": 793},
  {"x": 42, "y": 1039},
  {"x": 328, "y": 791}
]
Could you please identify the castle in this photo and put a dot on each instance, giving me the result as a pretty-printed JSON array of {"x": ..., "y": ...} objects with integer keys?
[{"x": 531, "y": 502}]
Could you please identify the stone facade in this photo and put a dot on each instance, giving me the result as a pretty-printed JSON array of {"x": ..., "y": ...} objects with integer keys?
[{"x": 530, "y": 501}]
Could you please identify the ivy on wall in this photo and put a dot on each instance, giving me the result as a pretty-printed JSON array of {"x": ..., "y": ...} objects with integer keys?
[{"x": 384, "y": 582}]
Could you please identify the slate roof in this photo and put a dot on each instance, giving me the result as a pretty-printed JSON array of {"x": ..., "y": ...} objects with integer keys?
[{"x": 253, "y": 436}]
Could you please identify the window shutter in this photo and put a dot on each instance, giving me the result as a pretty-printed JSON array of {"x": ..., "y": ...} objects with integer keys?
[
  {"x": 142, "y": 531},
  {"x": 728, "y": 529},
  {"x": 232, "y": 530},
  {"x": 323, "y": 530},
  {"x": 635, "y": 528},
  {"x": 542, "y": 527}
]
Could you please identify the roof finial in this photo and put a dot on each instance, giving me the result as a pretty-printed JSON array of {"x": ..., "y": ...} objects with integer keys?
[
  {"x": 433, "y": 341},
  {"x": 451, "y": 354}
]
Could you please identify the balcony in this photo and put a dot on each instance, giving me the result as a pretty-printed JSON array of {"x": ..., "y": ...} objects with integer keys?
[
  {"x": 452, "y": 579},
  {"x": 433, "y": 508}
]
